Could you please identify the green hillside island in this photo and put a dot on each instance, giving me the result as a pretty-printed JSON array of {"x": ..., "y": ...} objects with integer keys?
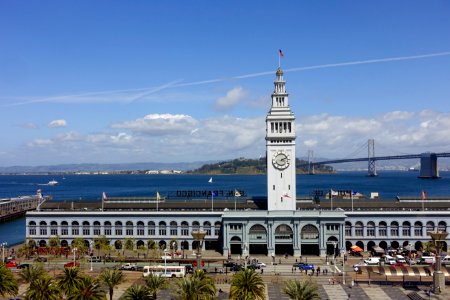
[{"x": 251, "y": 166}]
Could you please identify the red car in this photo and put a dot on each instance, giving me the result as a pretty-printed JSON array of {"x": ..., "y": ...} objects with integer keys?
[
  {"x": 71, "y": 264},
  {"x": 11, "y": 264}
]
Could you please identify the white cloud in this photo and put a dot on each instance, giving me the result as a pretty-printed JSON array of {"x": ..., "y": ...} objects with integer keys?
[
  {"x": 174, "y": 138},
  {"x": 57, "y": 124},
  {"x": 160, "y": 124},
  {"x": 398, "y": 115},
  {"x": 231, "y": 99},
  {"x": 29, "y": 125}
]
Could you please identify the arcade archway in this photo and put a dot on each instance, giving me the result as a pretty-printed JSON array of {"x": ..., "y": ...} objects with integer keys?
[
  {"x": 284, "y": 240},
  {"x": 309, "y": 238},
  {"x": 258, "y": 240}
]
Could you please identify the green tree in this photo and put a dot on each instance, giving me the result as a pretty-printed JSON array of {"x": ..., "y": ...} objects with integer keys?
[
  {"x": 112, "y": 278},
  {"x": 80, "y": 244},
  {"x": 43, "y": 288},
  {"x": 8, "y": 285},
  {"x": 155, "y": 284},
  {"x": 301, "y": 290},
  {"x": 101, "y": 243},
  {"x": 88, "y": 289},
  {"x": 70, "y": 280},
  {"x": 199, "y": 286},
  {"x": 247, "y": 284},
  {"x": 129, "y": 243},
  {"x": 32, "y": 273},
  {"x": 137, "y": 292}
]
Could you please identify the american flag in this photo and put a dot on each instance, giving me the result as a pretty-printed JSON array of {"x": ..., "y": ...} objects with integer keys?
[{"x": 281, "y": 53}]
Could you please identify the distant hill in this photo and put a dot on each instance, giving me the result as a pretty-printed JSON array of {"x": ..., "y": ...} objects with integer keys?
[
  {"x": 249, "y": 166},
  {"x": 91, "y": 167}
]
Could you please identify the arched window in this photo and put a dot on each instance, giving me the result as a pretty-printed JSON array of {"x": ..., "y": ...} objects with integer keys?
[
  {"x": 97, "y": 228},
  {"x": 207, "y": 227},
  {"x": 406, "y": 228},
  {"x": 348, "y": 228},
  {"x": 359, "y": 229},
  {"x": 195, "y": 226},
  {"x": 108, "y": 228},
  {"x": 394, "y": 228},
  {"x": 75, "y": 228},
  {"x": 151, "y": 228},
  {"x": 370, "y": 228},
  {"x": 442, "y": 226},
  {"x": 118, "y": 228},
  {"x": 382, "y": 228},
  {"x": 140, "y": 229},
  {"x": 162, "y": 228},
  {"x": 53, "y": 228},
  {"x": 184, "y": 228},
  {"x": 309, "y": 232},
  {"x": 430, "y": 226},
  {"x": 86, "y": 228},
  {"x": 43, "y": 228},
  {"x": 173, "y": 228},
  {"x": 32, "y": 228},
  {"x": 129, "y": 228},
  {"x": 418, "y": 228},
  {"x": 64, "y": 228},
  {"x": 217, "y": 227}
]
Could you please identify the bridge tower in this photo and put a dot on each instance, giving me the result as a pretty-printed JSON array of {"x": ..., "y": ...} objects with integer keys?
[
  {"x": 310, "y": 162},
  {"x": 371, "y": 168},
  {"x": 428, "y": 166}
]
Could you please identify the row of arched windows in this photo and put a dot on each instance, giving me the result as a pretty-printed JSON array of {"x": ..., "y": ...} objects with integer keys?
[
  {"x": 107, "y": 228},
  {"x": 393, "y": 229}
]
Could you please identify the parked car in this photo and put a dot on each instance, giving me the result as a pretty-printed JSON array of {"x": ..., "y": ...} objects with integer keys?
[
  {"x": 128, "y": 266},
  {"x": 167, "y": 256},
  {"x": 358, "y": 266},
  {"x": 40, "y": 259},
  {"x": 236, "y": 268},
  {"x": 398, "y": 264},
  {"x": 229, "y": 264},
  {"x": 11, "y": 264},
  {"x": 260, "y": 265},
  {"x": 72, "y": 264},
  {"x": 23, "y": 266},
  {"x": 372, "y": 261},
  {"x": 305, "y": 266}
]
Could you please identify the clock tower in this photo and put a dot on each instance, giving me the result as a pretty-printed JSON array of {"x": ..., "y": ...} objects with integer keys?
[{"x": 280, "y": 150}]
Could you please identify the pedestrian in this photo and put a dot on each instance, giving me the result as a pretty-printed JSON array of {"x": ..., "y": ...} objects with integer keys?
[
  {"x": 280, "y": 261},
  {"x": 292, "y": 270},
  {"x": 312, "y": 271},
  {"x": 329, "y": 281},
  {"x": 301, "y": 258},
  {"x": 262, "y": 271}
]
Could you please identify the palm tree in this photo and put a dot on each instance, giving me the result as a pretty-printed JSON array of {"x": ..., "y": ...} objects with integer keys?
[
  {"x": 88, "y": 289},
  {"x": 247, "y": 284},
  {"x": 301, "y": 290},
  {"x": 70, "y": 280},
  {"x": 43, "y": 288},
  {"x": 8, "y": 285},
  {"x": 111, "y": 278},
  {"x": 155, "y": 284},
  {"x": 138, "y": 292},
  {"x": 33, "y": 272},
  {"x": 199, "y": 286}
]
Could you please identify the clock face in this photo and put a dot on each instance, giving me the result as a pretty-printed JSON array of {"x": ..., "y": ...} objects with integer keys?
[{"x": 280, "y": 160}]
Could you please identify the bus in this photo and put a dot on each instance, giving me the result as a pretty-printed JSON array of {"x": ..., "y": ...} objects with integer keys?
[{"x": 168, "y": 271}]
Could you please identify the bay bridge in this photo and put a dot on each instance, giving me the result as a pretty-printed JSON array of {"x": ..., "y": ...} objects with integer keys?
[{"x": 428, "y": 161}]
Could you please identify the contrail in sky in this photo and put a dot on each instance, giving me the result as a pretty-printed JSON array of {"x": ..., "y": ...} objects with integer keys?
[{"x": 175, "y": 84}]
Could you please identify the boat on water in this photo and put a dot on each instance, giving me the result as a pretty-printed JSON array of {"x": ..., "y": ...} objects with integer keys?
[{"x": 53, "y": 182}]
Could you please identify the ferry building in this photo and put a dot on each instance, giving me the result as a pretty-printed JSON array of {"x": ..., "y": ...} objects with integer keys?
[{"x": 281, "y": 223}]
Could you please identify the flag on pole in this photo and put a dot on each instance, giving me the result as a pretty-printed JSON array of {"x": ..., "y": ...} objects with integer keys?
[
  {"x": 280, "y": 53},
  {"x": 210, "y": 180},
  {"x": 158, "y": 196},
  {"x": 285, "y": 195},
  {"x": 424, "y": 195},
  {"x": 104, "y": 196},
  {"x": 236, "y": 193}
]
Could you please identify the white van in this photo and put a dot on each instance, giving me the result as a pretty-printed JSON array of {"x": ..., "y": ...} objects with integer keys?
[
  {"x": 429, "y": 260},
  {"x": 400, "y": 259},
  {"x": 446, "y": 260},
  {"x": 372, "y": 261},
  {"x": 389, "y": 260}
]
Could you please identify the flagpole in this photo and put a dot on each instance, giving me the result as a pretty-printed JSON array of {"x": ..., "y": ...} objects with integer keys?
[
  {"x": 157, "y": 202},
  {"x": 235, "y": 200},
  {"x": 352, "y": 198},
  {"x": 103, "y": 196}
]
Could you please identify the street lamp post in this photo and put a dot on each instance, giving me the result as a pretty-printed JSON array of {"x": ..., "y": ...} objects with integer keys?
[
  {"x": 91, "y": 250},
  {"x": 4, "y": 244},
  {"x": 74, "y": 250},
  {"x": 165, "y": 262},
  {"x": 438, "y": 277},
  {"x": 244, "y": 254},
  {"x": 199, "y": 236}
]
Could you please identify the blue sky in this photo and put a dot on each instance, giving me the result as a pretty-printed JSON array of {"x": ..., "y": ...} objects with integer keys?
[{"x": 143, "y": 81}]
